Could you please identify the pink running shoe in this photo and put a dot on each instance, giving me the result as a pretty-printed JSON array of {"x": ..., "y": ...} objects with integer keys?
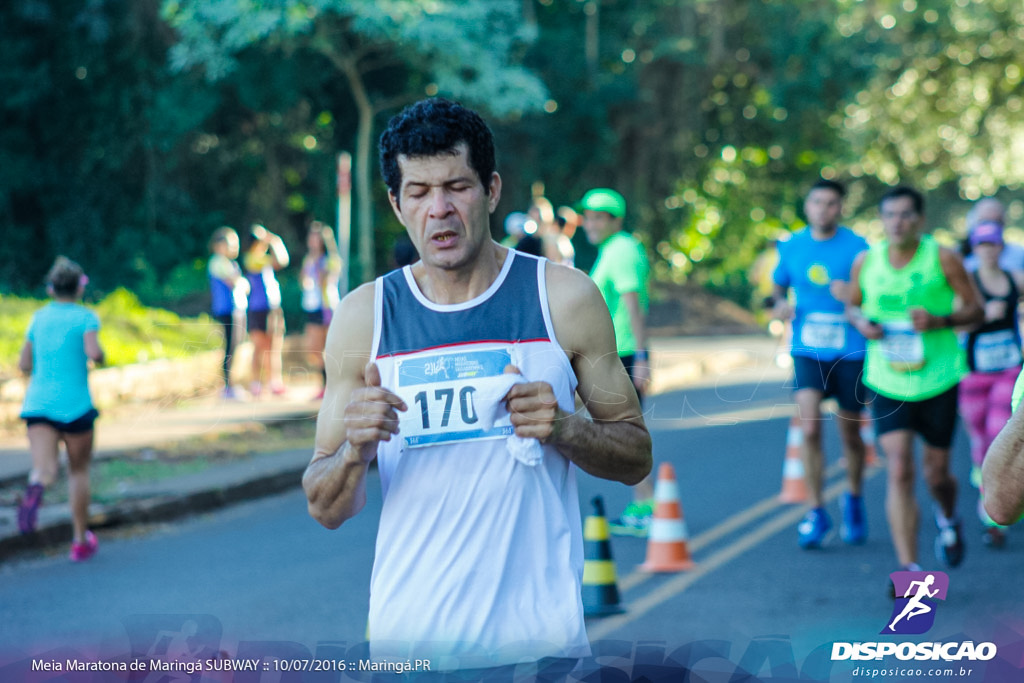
[
  {"x": 28, "y": 508},
  {"x": 80, "y": 552}
]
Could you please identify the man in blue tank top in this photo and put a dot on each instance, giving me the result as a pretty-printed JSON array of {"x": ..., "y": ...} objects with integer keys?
[
  {"x": 828, "y": 353},
  {"x": 466, "y": 403}
]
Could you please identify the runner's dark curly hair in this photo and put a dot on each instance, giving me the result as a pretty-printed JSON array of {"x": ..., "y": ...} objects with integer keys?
[{"x": 431, "y": 127}]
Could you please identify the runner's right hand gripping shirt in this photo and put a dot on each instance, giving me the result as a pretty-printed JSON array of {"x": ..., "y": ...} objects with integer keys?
[{"x": 479, "y": 554}]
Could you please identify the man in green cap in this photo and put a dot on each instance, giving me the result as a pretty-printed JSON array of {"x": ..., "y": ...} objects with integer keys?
[{"x": 621, "y": 273}]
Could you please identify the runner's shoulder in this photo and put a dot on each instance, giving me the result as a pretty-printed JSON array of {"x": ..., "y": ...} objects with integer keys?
[
  {"x": 570, "y": 290},
  {"x": 353, "y": 321},
  {"x": 358, "y": 303}
]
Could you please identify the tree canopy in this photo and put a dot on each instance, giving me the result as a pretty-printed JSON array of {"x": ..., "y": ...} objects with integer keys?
[{"x": 132, "y": 129}]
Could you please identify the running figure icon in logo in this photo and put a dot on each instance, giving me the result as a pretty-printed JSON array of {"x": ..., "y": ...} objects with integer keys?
[{"x": 919, "y": 591}]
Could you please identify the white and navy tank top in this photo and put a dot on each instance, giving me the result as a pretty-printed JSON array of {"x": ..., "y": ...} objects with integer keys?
[{"x": 479, "y": 557}]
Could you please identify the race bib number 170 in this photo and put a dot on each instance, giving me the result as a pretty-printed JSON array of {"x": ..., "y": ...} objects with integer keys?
[{"x": 448, "y": 392}]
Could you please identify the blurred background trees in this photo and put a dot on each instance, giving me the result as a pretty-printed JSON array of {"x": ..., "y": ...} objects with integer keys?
[{"x": 131, "y": 129}]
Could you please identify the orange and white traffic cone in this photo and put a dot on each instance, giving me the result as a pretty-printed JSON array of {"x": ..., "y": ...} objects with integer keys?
[
  {"x": 794, "y": 485},
  {"x": 867, "y": 435},
  {"x": 666, "y": 539}
]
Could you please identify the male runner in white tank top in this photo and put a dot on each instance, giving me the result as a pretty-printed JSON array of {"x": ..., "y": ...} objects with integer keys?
[{"x": 479, "y": 552}]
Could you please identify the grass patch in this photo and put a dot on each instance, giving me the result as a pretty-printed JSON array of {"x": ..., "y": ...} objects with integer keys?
[
  {"x": 112, "y": 478},
  {"x": 129, "y": 332}
]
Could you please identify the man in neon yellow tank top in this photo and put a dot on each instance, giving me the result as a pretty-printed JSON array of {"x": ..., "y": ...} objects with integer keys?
[
  {"x": 1002, "y": 472},
  {"x": 904, "y": 306}
]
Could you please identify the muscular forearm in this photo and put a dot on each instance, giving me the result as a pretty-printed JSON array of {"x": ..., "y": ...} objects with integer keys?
[
  {"x": 620, "y": 451},
  {"x": 335, "y": 487},
  {"x": 1003, "y": 473}
]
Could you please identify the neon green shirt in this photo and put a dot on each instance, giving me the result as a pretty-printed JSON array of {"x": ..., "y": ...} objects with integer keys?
[
  {"x": 905, "y": 364},
  {"x": 1018, "y": 392},
  {"x": 621, "y": 268}
]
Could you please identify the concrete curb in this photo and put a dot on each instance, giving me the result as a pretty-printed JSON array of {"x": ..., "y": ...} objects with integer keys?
[{"x": 282, "y": 474}]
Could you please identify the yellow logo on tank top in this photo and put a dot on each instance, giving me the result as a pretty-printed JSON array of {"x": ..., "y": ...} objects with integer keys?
[{"x": 818, "y": 274}]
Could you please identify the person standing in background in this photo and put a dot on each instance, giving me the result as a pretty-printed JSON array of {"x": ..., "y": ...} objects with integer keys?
[
  {"x": 993, "y": 357},
  {"x": 61, "y": 340},
  {"x": 228, "y": 295},
  {"x": 621, "y": 272},
  {"x": 555, "y": 246},
  {"x": 265, "y": 255},
  {"x": 321, "y": 271}
]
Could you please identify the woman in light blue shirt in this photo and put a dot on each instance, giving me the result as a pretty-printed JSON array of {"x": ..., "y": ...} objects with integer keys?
[{"x": 60, "y": 341}]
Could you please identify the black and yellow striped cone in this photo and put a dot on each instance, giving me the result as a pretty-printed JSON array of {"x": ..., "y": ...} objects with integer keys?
[{"x": 600, "y": 594}]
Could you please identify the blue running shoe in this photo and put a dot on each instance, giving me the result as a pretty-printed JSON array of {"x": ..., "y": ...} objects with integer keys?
[
  {"x": 854, "y": 529},
  {"x": 949, "y": 545},
  {"x": 813, "y": 528}
]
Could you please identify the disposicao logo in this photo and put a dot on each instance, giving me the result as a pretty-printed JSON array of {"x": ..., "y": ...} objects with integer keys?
[{"x": 913, "y": 613}]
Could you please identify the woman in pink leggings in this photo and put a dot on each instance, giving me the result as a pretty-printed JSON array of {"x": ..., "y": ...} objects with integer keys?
[{"x": 994, "y": 357}]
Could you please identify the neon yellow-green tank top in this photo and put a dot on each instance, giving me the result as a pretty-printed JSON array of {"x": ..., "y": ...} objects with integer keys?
[
  {"x": 905, "y": 364},
  {"x": 1018, "y": 392}
]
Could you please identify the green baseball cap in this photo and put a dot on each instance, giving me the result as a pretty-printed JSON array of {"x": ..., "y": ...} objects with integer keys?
[{"x": 603, "y": 199}]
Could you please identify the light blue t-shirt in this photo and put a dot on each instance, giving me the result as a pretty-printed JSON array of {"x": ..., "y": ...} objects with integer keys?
[
  {"x": 820, "y": 328},
  {"x": 59, "y": 386}
]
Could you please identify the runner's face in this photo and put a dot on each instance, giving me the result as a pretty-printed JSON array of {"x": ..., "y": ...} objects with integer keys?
[
  {"x": 901, "y": 221},
  {"x": 988, "y": 253},
  {"x": 315, "y": 242},
  {"x": 600, "y": 225},
  {"x": 445, "y": 207},
  {"x": 823, "y": 207},
  {"x": 229, "y": 247}
]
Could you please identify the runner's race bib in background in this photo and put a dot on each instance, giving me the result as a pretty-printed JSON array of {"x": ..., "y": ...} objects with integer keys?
[
  {"x": 825, "y": 331},
  {"x": 996, "y": 351},
  {"x": 902, "y": 346},
  {"x": 447, "y": 392}
]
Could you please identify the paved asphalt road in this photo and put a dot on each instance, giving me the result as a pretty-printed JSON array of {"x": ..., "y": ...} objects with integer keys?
[{"x": 262, "y": 577}]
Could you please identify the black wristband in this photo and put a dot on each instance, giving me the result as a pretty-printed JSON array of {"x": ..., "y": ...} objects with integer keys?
[{"x": 947, "y": 320}]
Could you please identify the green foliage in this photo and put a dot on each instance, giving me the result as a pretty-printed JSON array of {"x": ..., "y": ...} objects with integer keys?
[
  {"x": 945, "y": 96},
  {"x": 129, "y": 332},
  {"x": 16, "y": 314},
  {"x": 388, "y": 53},
  {"x": 133, "y": 129}
]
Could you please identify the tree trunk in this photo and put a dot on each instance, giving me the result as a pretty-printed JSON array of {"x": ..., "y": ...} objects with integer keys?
[
  {"x": 363, "y": 162},
  {"x": 364, "y": 194}
]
